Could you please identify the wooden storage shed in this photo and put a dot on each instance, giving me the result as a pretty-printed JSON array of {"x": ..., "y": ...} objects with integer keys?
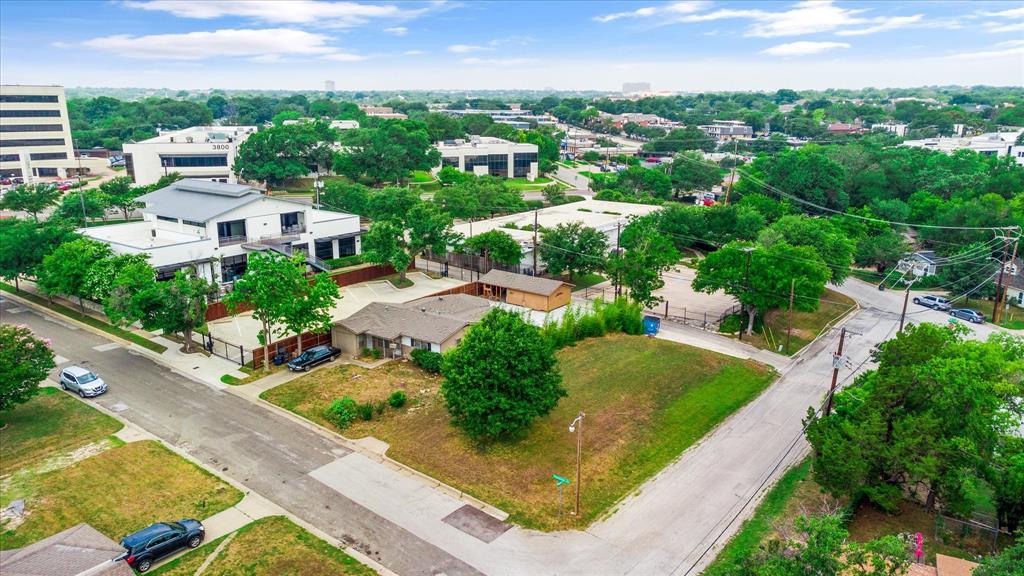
[{"x": 543, "y": 294}]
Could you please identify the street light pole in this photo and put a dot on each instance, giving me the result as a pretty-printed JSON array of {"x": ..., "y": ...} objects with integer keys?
[
  {"x": 577, "y": 427},
  {"x": 746, "y": 284}
]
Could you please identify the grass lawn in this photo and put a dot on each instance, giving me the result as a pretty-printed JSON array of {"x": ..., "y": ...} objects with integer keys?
[
  {"x": 119, "y": 491},
  {"x": 52, "y": 423},
  {"x": 1011, "y": 317},
  {"x": 422, "y": 176},
  {"x": 806, "y": 325},
  {"x": 86, "y": 319},
  {"x": 268, "y": 547},
  {"x": 586, "y": 281},
  {"x": 646, "y": 401}
]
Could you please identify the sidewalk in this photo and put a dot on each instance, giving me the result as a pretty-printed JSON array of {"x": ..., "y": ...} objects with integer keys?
[{"x": 721, "y": 344}]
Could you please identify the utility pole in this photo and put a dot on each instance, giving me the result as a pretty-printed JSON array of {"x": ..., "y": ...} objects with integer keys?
[
  {"x": 1013, "y": 260},
  {"x": 617, "y": 279},
  {"x": 535, "y": 243},
  {"x": 732, "y": 177},
  {"x": 1000, "y": 291},
  {"x": 906, "y": 297},
  {"x": 577, "y": 426},
  {"x": 746, "y": 285},
  {"x": 789, "y": 329},
  {"x": 836, "y": 362}
]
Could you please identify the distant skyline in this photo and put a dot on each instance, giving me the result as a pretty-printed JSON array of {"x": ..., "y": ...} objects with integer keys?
[{"x": 687, "y": 46}]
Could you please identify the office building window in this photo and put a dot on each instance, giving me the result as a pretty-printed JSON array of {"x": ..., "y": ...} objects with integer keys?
[
  {"x": 29, "y": 113},
  {"x": 521, "y": 163},
  {"x": 472, "y": 161},
  {"x": 194, "y": 223},
  {"x": 167, "y": 273},
  {"x": 452, "y": 161},
  {"x": 27, "y": 98},
  {"x": 50, "y": 156},
  {"x": 324, "y": 249},
  {"x": 9, "y": 158},
  {"x": 346, "y": 247},
  {"x": 45, "y": 171},
  {"x": 167, "y": 219},
  {"x": 193, "y": 161},
  {"x": 231, "y": 231},
  {"x": 497, "y": 164},
  {"x": 232, "y": 267},
  {"x": 31, "y": 128},
  {"x": 32, "y": 142}
]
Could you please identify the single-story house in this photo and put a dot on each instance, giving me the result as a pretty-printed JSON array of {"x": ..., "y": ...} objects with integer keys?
[
  {"x": 434, "y": 323},
  {"x": 1013, "y": 282},
  {"x": 924, "y": 260},
  {"x": 78, "y": 550},
  {"x": 543, "y": 294}
]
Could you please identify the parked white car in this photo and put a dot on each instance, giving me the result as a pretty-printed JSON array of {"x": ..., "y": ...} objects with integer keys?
[{"x": 77, "y": 379}]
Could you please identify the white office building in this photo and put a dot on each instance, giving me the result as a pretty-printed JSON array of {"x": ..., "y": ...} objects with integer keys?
[
  {"x": 201, "y": 152},
  {"x": 896, "y": 128},
  {"x": 215, "y": 226},
  {"x": 483, "y": 155},
  {"x": 990, "y": 144},
  {"x": 35, "y": 134},
  {"x": 723, "y": 130}
]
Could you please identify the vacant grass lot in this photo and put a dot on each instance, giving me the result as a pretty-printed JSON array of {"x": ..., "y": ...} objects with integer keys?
[
  {"x": 269, "y": 547},
  {"x": 52, "y": 423},
  {"x": 119, "y": 491},
  {"x": 806, "y": 325},
  {"x": 646, "y": 402}
]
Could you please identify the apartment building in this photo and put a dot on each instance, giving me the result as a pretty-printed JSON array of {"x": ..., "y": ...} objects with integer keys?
[
  {"x": 483, "y": 155},
  {"x": 200, "y": 152},
  {"x": 215, "y": 226},
  {"x": 35, "y": 134}
]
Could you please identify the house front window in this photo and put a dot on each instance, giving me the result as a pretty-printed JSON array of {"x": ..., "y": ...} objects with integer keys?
[
  {"x": 420, "y": 344},
  {"x": 346, "y": 247},
  {"x": 231, "y": 232},
  {"x": 292, "y": 223},
  {"x": 324, "y": 249},
  {"x": 232, "y": 267}
]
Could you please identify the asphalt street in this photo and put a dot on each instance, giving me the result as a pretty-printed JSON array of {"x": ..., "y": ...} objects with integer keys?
[{"x": 267, "y": 453}]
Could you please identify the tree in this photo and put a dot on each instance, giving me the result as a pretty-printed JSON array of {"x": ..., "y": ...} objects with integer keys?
[
  {"x": 24, "y": 362},
  {"x": 808, "y": 174},
  {"x": 574, "y": 248},
  {"x": 345, "y": 197},
  {"x": 25, "y": 243},
  {"x": 928, "y": 420},
  {"x": 384, "y": 243},
  {"x": 121, "y": 194},
  {"x": 880, "y": 250},
  {"x": 646, "y": 254},
  {"x": 275, "y": 155},
  {"x": 1009, "y": 562},
  {"x": 759, "y": 276},
  {"x": 182, "y": 305},
  {"x": 92, "y": 202},
  {"x": 691, "y": 172},
  {"x": 388, "y": 153},
  {"x": 818, "y": 234},
  {"x": 103, "y": 273},
  {"x": 218, "y": 105},
  {"x": 426, "y": 227},
  {"x": 310, "y": 309},
  {"x": 501, "y": 377},
  {"x": 1006, "y": 476},
  {"x": 268, "y": 286},
  {"x": 31, "y": 198},
  {"x": 554, "y": 194},
  {"x": 497, "y": 246},
  {"x": 65, "y": 271}
]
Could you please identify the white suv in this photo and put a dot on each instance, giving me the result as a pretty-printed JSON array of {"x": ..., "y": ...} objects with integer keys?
[{"x": 933, "y": 302}]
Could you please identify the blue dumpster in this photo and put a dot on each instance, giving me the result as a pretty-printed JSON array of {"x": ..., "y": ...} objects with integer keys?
[{"x": 651, "y": 325}]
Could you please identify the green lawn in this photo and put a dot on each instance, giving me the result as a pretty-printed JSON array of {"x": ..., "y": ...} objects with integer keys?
[
  {"x": 806, "y": 325},
  {"x": 586, "y": 281},
  {"x": 85, "y": 319},
  {"x": 646, "y": 400},
  {"x": 1011, "y": 317},
  {"x": 119, "y": 491},
  {"x": 422, "y": 176},
  {"x": 268, "y": 547}
]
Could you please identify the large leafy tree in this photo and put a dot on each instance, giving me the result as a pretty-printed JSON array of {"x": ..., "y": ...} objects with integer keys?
[
  {"x": 1009, "y": 562},
  {"x": 880, "y": 250},
  {"x": 388, "y": 153},
  {"x": 928, "y": 420},
  {"x": 808, "y": 174},
  {"x": 25, "y": 243},
  {"x": 644, "y": 256},
  {"x": 491, "y": 395},
  {"x": 310, "y": 309},
  {"x": 30, "y": 198},
  {"x": 24, "y": 362},
  {"x": 759, "y": 276},
  {"x": 103, "y": 274},
  {"x": 574, "y": 248},
  {"x": 275, "y": 155},
  {"x": 82, "y": 205},
  {"x": 497, "y": 246},
  {"x": 398, "y": 239},
  {"x": 268, "y": 286},
  {"x": 477, "y": 197},
  {"x": 121, "y": 194},
  {"x": 384, "y": 243},
  {"x": 65, "y": 271},
  {"x": 691, "y": 172},
  {"x": 819, "y": 234}
]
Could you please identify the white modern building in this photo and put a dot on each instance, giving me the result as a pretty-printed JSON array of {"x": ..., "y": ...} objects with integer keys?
[
  {"x": 723, "y": 130},
  {"x": 201, "y": 152},
  {"x": 896, "y": 128},
  {"x": 483, "y": 155},
  {"x": 604, "y": 216},
  {"x": 990, "y": 144},
  {"x": 35, "y": 134},
  {"x": 215, "y": 226}
]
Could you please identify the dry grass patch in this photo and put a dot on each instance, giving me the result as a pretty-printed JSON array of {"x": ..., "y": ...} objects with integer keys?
[
  {"x": 806, "y": 325},
  {"x": 120, "y": 491},
  {"x": 646, "y": 400}
]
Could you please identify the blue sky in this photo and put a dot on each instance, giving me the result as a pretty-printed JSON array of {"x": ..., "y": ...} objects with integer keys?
[{"x": 676, "y": 46}]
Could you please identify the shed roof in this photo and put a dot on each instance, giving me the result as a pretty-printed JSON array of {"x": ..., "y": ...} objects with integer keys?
[
  {"x": 76, "y": 550},
  {"x": 432, "y": 319},
  {"x": 522, "y": 282},
  {"x": 198, "y": 200},
  {"x": 950, "y": 566}
]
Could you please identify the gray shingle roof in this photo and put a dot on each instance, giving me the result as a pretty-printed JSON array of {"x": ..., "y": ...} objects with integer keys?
[
  {"x": 198, "y": 200},
  {"x": 66, "y": 553},
  {"x": 522, "y": 282},
  {"x": 432, "y": 319}
]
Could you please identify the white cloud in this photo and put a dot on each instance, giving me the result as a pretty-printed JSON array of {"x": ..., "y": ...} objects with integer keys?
[
  {"x": 1011, "y": 13},
  {"x": 998, "y": 27},
  {"x": 675, "y": 7},
  {"x": 343, "y": 57},
  {"x": 397, "y": 30},
  {"x": 1010, "y": 44},
  {"x": 883, "y": 25},
  {"x": 803, "y": 48},
  {"x": 329, "y": 14},
  {"x": 59, "y": 44},
  {"x": 467, "y": 48},
  {"x": 263, "y": 43},
  {"x": 498, "y": 61},
  {"x": 415, "y": 52},
  {"x": 807, "y": 17},
  {"x": 1017, "y": 49}
]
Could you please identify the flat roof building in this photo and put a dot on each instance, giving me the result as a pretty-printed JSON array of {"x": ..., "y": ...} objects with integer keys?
[
  {"x": 483, "y": 155},
  {"x": 990, "y": 144},
  {"x": 727, "y": 130},
  {"x": 35, "y": 134},
  {"x": 200, "y": 152}
]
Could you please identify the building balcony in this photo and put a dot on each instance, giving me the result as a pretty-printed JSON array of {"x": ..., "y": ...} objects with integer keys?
[{"x": 231, "y": 240}]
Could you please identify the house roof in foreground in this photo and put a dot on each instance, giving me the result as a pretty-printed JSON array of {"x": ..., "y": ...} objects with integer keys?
[
  {"x": 198, "y": 200},
  {"x": 432, "y": 319},
  {"x": 76, "y": 550},
  {"x": 522, "y": 282}
]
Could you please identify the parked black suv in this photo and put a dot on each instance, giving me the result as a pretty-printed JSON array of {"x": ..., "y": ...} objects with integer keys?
[
  {"x": 154, "y": 542},
  {"x": 312, "y": 357}
]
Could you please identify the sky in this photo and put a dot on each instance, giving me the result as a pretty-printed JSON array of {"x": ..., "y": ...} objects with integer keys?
[{"x": 684, "y": 46}]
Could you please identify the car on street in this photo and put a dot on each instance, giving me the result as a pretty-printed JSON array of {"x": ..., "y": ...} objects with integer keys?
[
  {"x": 156, "y": 541},
  {"x": 968, "y": 314},
  {"x": 312, "y": 357},
  {"x": 86, "y": 383},
  {"x": 933, "y": 302}
]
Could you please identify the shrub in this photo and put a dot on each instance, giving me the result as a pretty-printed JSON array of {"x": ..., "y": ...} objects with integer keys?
[
  {"x": 397, "y": 399},
  {"x": 365, "y": 411},
  {"x": 374, "y": 353},
  {"x": 574, "y": 198},
  {"x": 534, "y": 204},
  {"x": 731, "y": 324},
  {"x": 427, "y": 360},
  {"x": 345, "y": 261},
  {"x": 380, "y": 406},
  {"x": 341, "y": 413}
]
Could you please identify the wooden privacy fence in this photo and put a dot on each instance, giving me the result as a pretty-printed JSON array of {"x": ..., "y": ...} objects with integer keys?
[{"x": 289, "y": 346}]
